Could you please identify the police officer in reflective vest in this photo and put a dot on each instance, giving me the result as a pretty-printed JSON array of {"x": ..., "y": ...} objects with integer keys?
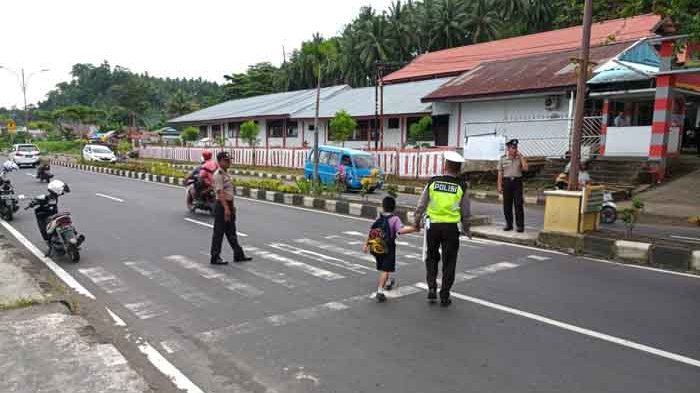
[{"x": 445, "y": 204}]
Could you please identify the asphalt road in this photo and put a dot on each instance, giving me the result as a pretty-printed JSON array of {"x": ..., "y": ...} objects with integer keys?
[{"x": 298, "y": 318}]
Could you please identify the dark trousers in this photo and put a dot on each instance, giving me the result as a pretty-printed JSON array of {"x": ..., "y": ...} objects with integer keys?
[
  {"x": 221, "y": 228},
  {"x": 513, "y": 197},
  {"x": 445, "y": 238}
]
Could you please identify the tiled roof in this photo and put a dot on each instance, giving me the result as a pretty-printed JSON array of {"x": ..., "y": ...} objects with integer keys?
[
  {"x": 450, "y": 62},
  {"x": 400, "y": 98},
  {"x": 280, "y": 104},
  {"x": 525, "y": 74}
]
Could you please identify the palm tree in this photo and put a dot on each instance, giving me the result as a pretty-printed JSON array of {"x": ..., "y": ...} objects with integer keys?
[
  {"x": 483, "y": 21},
  {"x": 540, "y": 15},
  {"x": 375, "y": 45},
  {"x": 449, "y": 26},
  {"x": 400, "y": 31},
  {"x": 424, "y": 21}
]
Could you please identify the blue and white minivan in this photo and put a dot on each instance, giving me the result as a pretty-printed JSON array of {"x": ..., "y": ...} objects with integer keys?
[{"x": 356, "y": 164}]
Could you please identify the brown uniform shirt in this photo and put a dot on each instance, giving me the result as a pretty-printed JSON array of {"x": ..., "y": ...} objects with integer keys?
[
  {"x": 511, "y": 167},
  {"x": 222, "y": 182}
]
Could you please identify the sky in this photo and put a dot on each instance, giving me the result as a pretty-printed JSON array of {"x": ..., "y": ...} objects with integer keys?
[{"x": 176, "y": 38}]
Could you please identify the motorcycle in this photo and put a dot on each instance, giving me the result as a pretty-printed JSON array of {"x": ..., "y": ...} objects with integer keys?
[
  {"x": 43, "y": 173},
  {"x": 199, "y": 199},
  {"x": 9, "y": 202},
  {"x": 56, "y": 228}
]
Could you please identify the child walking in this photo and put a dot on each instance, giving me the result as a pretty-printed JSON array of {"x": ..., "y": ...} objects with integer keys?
[{"x": 381, "y": 242}]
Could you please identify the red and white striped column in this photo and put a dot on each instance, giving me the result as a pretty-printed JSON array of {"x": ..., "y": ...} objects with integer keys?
[{"x": 663, "y": 107}]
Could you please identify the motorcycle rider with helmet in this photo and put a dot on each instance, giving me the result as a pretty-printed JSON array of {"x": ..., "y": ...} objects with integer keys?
[{"x": 200, "y": 179}]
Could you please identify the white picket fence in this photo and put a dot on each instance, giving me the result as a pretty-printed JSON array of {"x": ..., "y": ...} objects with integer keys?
[{"x": 403, "y": 163}]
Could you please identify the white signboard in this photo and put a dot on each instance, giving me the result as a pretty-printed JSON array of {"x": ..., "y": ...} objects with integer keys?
[{"x": 484, "y": 147}]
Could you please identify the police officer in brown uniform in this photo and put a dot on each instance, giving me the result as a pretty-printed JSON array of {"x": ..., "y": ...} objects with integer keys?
[
  {"x": 224, "y": 214},
  {"x": 510, "y": 184}
]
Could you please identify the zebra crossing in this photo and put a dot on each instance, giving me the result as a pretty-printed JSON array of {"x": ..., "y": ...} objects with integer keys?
[{"x": 295, "y": 265}]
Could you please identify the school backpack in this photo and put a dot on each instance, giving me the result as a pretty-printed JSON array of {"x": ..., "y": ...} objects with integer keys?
[{"x": 380, "y": 236}]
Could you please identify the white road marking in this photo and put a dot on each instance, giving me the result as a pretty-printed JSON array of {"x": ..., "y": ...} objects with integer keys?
[
  {"x": 353, "y": 267},
  {"x": 343, "y": 251},
  {"x": 306, "y": 268},
  {"x": 109, "y": 197},
  {"x": 693, "y": 239},
  {"x": 576, "y": 329},
  {"x": 146, "y": 309},
  {"x": 273, "y": 276},
  {"x": 173, "y": 284},
  {"x": 161, "y": 363},
  {"x": 211, "y": 226},
  {"x": 170, "y": 346},
  {"x": 30, "y": 175},
  {"x": 652, "y": 269},
  {"x": 107, "y": 281},
  {"x": 209, "y": 273},
  {"x": 538, "y": 258},
  {"x": 117, "y": 321},
  {"x": 302, "y": 314},
  {"x": 62, "y": 274}
]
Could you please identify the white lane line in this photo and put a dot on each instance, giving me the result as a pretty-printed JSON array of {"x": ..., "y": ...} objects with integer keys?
[
  {"x": 327, "y": 259},
  {"x": 304, "y": 267},
  {"x": 109, "y": 197},
  {"x": 209, "y": 273},
  {"x": 303, "y": 314},
  {"x": 210, "y": 226},
  {"x": 57, "y": 270},
  {"x": 652, "y": 269},
  {"x": 107, "y": 281},
  {"x": 30, "y": 175},
  {"x": 161, "y": 363},
  {"x": 117, "y": 321},
  {"x": 693, "y": 239},
  {"x": 166, "y": 280},
  {"x": 576, "y": 329},
  {"x": 538, "y": 258},
  {"x": 146, "y": 309}
]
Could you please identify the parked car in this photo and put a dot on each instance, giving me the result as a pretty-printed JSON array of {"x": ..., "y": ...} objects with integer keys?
[
  {"x": 347, "y": 166},
  {"x": 98, "y": 153},
  {"x": 25, "y": 154}
]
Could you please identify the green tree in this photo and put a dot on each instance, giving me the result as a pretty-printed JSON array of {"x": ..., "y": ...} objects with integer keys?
[
  {"x": 41, "y": 125},
  {"x": 180, "y": 103},
  {"x": 261, "y": 78},
  {"x": 483, "y": 22},
  {"x": 189, "y": 134},
  {"x": 421, "y": 130},
  {"x": 449, "y": 23},
  {"x": 249, "y": 133},
  {"x": 123, "y": 147},
  {"x": 342, "y": 126}
]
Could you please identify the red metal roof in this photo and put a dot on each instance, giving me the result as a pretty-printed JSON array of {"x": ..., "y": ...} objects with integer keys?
[
  {"x": 454, "y": 61},
  {"x": 526, "y": 74}
]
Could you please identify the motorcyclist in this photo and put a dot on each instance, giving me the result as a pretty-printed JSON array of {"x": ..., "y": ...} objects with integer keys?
[
  {"x": 9, "y": 166},
  {"x": 207, "y": 171},
  {"x": 56, "y": 188},
  {"x": 195, "y": 179}
]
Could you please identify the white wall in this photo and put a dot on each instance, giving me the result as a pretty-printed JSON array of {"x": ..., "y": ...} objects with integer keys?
[
  {"x": 628, "y": 141},
  {"x": 505, "y": 111}
]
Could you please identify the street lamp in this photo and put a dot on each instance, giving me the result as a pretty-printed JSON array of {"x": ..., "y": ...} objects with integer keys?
[{"x": 24, "y": 82}]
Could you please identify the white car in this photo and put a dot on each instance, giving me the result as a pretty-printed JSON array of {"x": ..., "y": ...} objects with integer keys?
[
  {"x": 25, "y": 154},
  {"x": 98, "y": 153}
]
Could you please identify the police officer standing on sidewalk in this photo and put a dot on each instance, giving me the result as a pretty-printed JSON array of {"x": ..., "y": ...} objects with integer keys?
[
  {"x": 445, "y": 204},
  {"x": 225, "y": 214},
  {"x": 510, "y": 184}
]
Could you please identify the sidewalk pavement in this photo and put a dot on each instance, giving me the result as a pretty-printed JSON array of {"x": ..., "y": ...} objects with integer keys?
[{"x": 46, "y": 348}]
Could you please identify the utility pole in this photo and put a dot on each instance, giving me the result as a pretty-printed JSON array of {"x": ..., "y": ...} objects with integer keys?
[
  {"x": 318, "y": 103},
  {"x": 23, "y": 84},
  {"x": 581, "y": 95},
  {"x": 375, "y": 132}
]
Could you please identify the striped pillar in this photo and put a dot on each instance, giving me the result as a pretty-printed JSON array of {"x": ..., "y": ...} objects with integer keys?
[
  {"x": 604, "y": 126},
  {"x": 663, "y": 107}
]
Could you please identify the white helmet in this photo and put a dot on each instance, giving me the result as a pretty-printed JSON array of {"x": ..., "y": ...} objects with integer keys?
[
  {"x": 57, "y": 187},
  {"x": 9, "y": 166}
]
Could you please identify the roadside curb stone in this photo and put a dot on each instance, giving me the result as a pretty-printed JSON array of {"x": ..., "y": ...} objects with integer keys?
[
  {"x": 599, "y": 246},
  {"x": 695, "y": 263},
  {"x": 674, "y": 257},
  {"x": 632, "y": 251}
]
